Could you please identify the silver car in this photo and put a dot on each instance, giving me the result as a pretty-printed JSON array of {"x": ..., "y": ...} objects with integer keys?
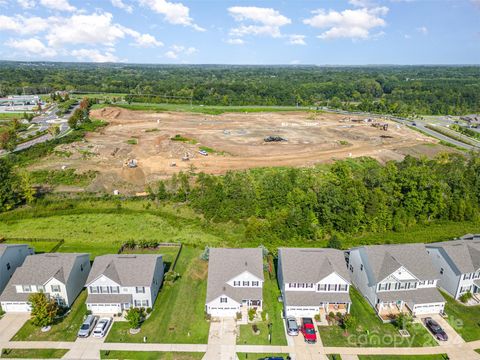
[
  {"x": 87, "y": 326},
  {"x": 292, "y": 326},
  {"x": 102, "y": 327}
]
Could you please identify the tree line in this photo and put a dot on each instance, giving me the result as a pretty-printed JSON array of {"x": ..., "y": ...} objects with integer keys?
[{"x": 402, "y": 90}]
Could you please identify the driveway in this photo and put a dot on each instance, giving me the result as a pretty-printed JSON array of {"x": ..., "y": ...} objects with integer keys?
[
  {"x": 304, "y": 351},
  {"x": 10, "y": 323},
  {"x": 222, "y": 339},
  {"x": 453, "y": 337}
]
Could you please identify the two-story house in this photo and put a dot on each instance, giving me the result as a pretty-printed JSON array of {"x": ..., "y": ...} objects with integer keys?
[
  {"x": 11, "y": 257},
  {"x": 60, "y": 276},
  {"x": 313, "y": 281},
  {"x": 235, "y": 281},
  {"x": 119, "y": 282},
  {"x": 457, "y": 264},
  {"x": 396, "y": 278}
]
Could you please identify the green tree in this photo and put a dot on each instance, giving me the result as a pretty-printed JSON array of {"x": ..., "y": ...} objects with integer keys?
[
  {"x": 135, "y": 317},
  {"x": 9, "y": 196},
  {"x": 44, "y": 310}
]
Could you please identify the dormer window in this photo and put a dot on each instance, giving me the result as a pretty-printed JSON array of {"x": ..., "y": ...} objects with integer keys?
[
  {"x": 246, "y": 283},
  {"x": 223, "y": 300},
  {"x": 254, "y": 283},
  {"x": 236, "y": 283}
]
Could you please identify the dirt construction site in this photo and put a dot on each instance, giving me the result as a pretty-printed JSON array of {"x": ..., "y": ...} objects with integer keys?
[{"x": 138, "y": 147}]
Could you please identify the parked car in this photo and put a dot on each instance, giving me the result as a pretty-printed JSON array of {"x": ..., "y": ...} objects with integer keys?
[
  {"x": 435, "y": 329},
  {"x": 87, "y": 326},
  {"x": 102, "y": 327},
  {"x": 308, "y": 331},
  {"x": 292, "y": 326},
  {"x": 203, "y": 152}
]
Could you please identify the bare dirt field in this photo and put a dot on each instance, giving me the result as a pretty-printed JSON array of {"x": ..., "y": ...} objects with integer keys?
[{"x": 236, "y": 139}]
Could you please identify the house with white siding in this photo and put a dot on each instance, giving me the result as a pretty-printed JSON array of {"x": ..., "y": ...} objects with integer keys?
[
  {"x": 313, "y": 281},
  {"x": 61, "y": 276},
  {"x": 119, "y": 282},
  {"x": 396, "y": 278},
  {"x": 235, "y": 281},
  {"x": 457, "y": 264},
  {"x": 11, "y": 257}
]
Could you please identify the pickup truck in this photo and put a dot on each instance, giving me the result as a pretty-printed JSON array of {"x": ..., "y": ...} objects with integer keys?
[{"x": 308, "y": 331}]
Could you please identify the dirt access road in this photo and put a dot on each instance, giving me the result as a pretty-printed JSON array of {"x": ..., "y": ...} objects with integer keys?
[{"x": 237, "y": 140}]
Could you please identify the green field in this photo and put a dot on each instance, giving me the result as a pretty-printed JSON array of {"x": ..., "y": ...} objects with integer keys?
[
  {"x": 149, "y": 355},
  {"x": 178, "y": 313},
  {"x": 33, "y": 353},
  {"x": 403, "y": 357},
  {"x": 464, "y": 319},
  {"x": 168, "y": 253},
  {"x": 9, "y": 116},
  {"x": 63, "y": 330},
  {"x": 371, "y": 332},
  {"x": 38, "y": 246}
]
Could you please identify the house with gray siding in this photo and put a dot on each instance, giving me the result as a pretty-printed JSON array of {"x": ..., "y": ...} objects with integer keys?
[
  {"x": 61, "y": 276},
  {"x": 235, "y": 281},
  {"x": 11, "y": 257},
  {"x": 313, "y": 281},
  {"x": 119, "y": 282},
  {"x": 457, "y": 264},
  {"x": 396, "y": 278}
]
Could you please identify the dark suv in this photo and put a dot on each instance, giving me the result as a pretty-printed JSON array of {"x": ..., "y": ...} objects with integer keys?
[{"x": 435, "y": 329}]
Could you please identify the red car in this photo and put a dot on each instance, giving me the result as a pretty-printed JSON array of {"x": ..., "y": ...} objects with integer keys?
[{"x": 308, "y": 331}]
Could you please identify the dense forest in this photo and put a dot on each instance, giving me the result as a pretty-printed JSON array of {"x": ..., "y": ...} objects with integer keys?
[
  {"x": 404, "y": 90},
  {"x": 349, "y": 197}
]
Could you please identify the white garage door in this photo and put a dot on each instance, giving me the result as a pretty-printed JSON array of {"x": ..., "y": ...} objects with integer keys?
[
  {"x": 223, "y": 312},
  {"x": 302, "y": 311},
  {"x": 104, "y": 308},
  {"x": 423, "y": 309},
  {"x": 15, "y": 307}
]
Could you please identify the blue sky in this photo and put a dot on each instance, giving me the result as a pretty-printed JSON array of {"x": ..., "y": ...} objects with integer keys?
[{"x": 334, "y": 32}]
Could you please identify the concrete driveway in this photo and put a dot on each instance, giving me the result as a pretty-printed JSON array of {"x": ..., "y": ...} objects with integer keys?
[
  {"x": 222, "y": 339},
  {"x": 10, "y": 323},
  {"x": 453, "y": 337},
  {"x": 304, "y": 351}
]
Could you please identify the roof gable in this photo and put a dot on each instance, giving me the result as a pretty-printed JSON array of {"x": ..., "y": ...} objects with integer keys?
[{"x": 464, "y": 254}]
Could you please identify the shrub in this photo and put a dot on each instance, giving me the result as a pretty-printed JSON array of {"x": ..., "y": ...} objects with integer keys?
[
  {"x": 264, "y": 315},
  {"x": 465, "y": 297},
  {"x": 402, "y": 321},
  {"x": 135, "y": 317},
  {"x": 239, "y": 315},
  {"x": 44, "y": 310},
  {"x": 251, "y": 314},
  {"x": 149, "y": 310},
  {"x": 317, "y": 317}
]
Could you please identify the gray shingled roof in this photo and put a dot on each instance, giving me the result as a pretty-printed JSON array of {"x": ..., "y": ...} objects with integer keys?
[
  {"x": 463, "y": 254},
  {"x": 225, "y": 264},
  {"x": 4, "y": 247},
  {"x": 412, "y": 297},
  {"x": 109, "y": 299},
  {"x": 313, "y": 298},
  {"x": 10, "y": 294},
  {"x": 38, "y": 269},
  {"x": 312, "y": 265},
  {"x": 125, "y": 270},
  {"x": 382, "y": 260}
]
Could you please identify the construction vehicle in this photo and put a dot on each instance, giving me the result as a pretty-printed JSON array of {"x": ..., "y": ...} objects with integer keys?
[
  {"x": 381, "y": 126},
  {"x": 132, "y": 163},
  {"x": 203, "y": 152}
]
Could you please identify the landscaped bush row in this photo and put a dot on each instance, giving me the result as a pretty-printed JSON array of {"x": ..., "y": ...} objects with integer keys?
[{"x": 452, "y": 134}]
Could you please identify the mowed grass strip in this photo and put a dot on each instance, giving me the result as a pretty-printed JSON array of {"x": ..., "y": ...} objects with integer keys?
[
  {"x": 38, "y": 246},
  {"x": 403, "y": 357},
  {"x": 178, "y": 314},
  {"x": 149, "y": 355},
  {"x": 464, "y": 319},
  {"x": 64, "y": 329},
  {"x": 371, "y": 332},
  {"x": 33, "y": 353}
]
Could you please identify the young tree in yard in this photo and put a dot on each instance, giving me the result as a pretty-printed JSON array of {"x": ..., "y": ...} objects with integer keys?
[
  {"x": 135, "y": 316},
  {"x": 403, "y": 320},
  {"x": 54, "y": 130},
  {"x": 26, "y": 186},
  {"x": 348, "y": 322},
  {"x": 44, "y": 310},
  {"x": 8, "y": 140},
  {"x": 73, "y": 121}
]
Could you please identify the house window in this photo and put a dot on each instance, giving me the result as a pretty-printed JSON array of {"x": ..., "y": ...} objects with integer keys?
[
  {"x": 55, "y": 288},
  {"x": 342, "y": 287},
  {"x": 140, "y": 289},
  {"x": 104, "y": 289},
  {"x": 467, "y": 276},
  {"x": 361, "y": 267},
  {"x": 421, "y": 283},
  {"x": 246, "y": 283},
  {"x": 441, "y": 271},
  {"x": 145, "y": 303},
  {"x": 292, "y": 285},
  {"x": 223, "y": 300},
  {"x": 236, "y": 283},
  {"x": 81, "y": 267},
  {"x": 382, "y": 286},
  {"x": 94, "y": 289},
  {"x": 332, "y": 287},
  {"x": 60, "y": 302},
  {"x": 137, "y": 303},
  {"x": 40, "y": 288},
  {"x": 27, "y": 288},
  {"x": 322, "y": 287},
  {"x": 114, "y": 289},
  {"x": 351, "y": 268},
  {"x": 8, "y": 266},
  {"x": 254, "y": 283},
  {"x": 431, "y": 282}
]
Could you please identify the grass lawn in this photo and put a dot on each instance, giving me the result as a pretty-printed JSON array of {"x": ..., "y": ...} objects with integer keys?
[
  {"x": 258, "y": 356},
  {"x": 334, "y": 357},
  {"x": 33, "y": 353},
  {"x": 371, "y": 332},
  {"x": 65, "y": 330},
  {"x": 464, "y": 319},
  {"x": 168, "y": 253},
  {"x": 38, "y": 246},
  {"x": 274, "y": 309},
  {"x": 178, "y": 314},
  {"x": 149, "y": 355},
  {"x": 403, "y": 357}
]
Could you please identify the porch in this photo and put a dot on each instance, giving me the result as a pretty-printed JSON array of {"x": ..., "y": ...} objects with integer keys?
[{"x": 389, "y": 311}]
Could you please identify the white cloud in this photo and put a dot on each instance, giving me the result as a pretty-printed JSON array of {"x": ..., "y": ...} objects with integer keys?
[
  {"x": 177, "y": 50},
  {"x": 121, "y": 5},
  {"x": 294, "y": 62},
  {"x": 143, "y": 40},
  {"x": 175, "y": 13},
  {"x": 60, "y": 5},
  {"x": 26, "y": 4},
  {"x": 354, "y": 24},
  {"x": 235, "y": 41},
  {"x": 94, "y": 55},
  {"x": 31, "y": 46},
  {"x": 23, "y": 25},
  {"x": 267, "y": 21},
  {"x": 295, "y": 39},
  {"x": 422, "y": 30}
]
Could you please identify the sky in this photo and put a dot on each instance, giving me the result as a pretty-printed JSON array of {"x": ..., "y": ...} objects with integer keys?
[{"x": 320, "y": 32}]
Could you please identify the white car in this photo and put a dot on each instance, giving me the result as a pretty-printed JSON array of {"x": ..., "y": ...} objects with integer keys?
[{"x": 102, "y": 327}]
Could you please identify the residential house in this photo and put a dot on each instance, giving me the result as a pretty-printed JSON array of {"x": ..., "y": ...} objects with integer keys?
[
  {"x": 457, "y": 264},
  {"x": 313, "y": 281},
  {"x": 396, "y": 278},
  {"x": 235, "y": 281},
  {"x": 11, "y": 257},
  {"x": 59, "y": 275},
  {"x": 119, "y": 282}
]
